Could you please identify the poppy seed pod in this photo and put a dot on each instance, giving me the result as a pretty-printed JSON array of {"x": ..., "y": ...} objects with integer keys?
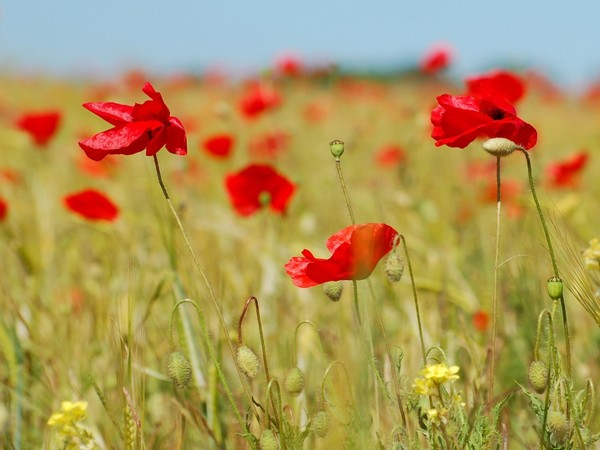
[
  {"x": 555, "y": 288},
  {"x": 337, "y": 148},
  {"x": 247, "y": 361},
  {"x": 179, "y": 370},
  {"x": 500, "y": 146},
  {"x": 294, "y": 381}
]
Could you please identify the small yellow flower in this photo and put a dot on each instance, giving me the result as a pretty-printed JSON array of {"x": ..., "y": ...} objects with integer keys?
[
  {"x": 440, "y": 373},
  {"x": 591, "y": 255},
  {"x": 422, "y": 386},
  {"x": 437, "y": 416},
  {"x": 70, "y": 413}
]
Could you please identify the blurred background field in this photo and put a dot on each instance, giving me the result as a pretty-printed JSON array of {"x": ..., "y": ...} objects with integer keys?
[{"x": 86, "y": 305}]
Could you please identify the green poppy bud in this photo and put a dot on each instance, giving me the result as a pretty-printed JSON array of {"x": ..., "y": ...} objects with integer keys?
[
  {"x": 294, "y": 381},
  {"x": 333, "y": 290},
  {"x": 179, "y": 370},
  {"x": 268, "y": 441},
  {"x": 247, "y": 361},
  {"x": 319, "y": 425},
  {"x": 500, "y": 146},
  {"x": 538, "y": 376}
]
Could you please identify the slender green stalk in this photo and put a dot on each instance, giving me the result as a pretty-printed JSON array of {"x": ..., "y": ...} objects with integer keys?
[
  {"x": 492, "y": 365},
  {"x": 260, "y": 332},
  {"x": 338, "y": 166},
  {"x": 553, "y": 259},
  {"x": 210, "y": 292},
  {"x": 416, "y": 299}
]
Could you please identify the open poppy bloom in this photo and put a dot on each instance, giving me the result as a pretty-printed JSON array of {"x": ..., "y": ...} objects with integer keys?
[
  {"x": 459, "y": 120},
  {"x": 257, "y": 99},
  {"x": 41, "y": 126},
  {"x": 92, "y": 205},
  {"x": 146, "y": 126},
  {"x": 355, "y": 251},
  {"x": 565, "y": 174},
  {"x": 436, "y": 59},
  {"x": 498, "y": 83},
  {"x": 257, "y": 186},
  {"x": 218, "y": 145}
]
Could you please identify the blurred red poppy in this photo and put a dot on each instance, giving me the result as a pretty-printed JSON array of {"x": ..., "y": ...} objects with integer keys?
[
  {"x": 146, "y": 126},
  {"x": 510, "y": 192},
  {"x": 355, "y": 251},
  {"x": 99, "y": 169},
  {"x": 41, "y": 126},
  {"x": 497, "y": 83},
  {"x": 481, "y": 320},
  {"x": 92, "y": 205},
  {"x": 3, "y": 209},
  {"x": 218, "y": 145},
  {"x": 289, "y": 65},
  {"x": 257, "y": 99},
  {"x": 390, "y": 156},
  {"x": 269, "y": 145},
  {"x": 257, "y": 186},
  {"x": 436, "y": 59},
  {"x": 565, "y": 174},
  {"x": 459, "y": 120}
]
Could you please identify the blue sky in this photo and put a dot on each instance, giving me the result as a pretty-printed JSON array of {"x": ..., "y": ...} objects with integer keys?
[{"x": 108, "y": 36}]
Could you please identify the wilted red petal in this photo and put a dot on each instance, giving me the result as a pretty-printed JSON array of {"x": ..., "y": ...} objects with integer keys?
[
  {"x": 41, "y": 126},
  {"x": 219, "y": 145},
  {"x": 251, "y": 187},
  {"x": 92, "y": 205},
  {"x": 356, "y": 250}
]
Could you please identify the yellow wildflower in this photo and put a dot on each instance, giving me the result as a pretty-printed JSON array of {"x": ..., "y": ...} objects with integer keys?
[
  {"x": 70, "y": 413},
  {"x": 422, "y": 386},
  {"x": 591, "y": 255},
  {"x": 440, "y": 373}
]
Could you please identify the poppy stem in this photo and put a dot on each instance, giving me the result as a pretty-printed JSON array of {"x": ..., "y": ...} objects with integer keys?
[
  {"x": 552, "y": 258},
  {"x": 260, "y": 332},
  {"x": 492, "y": 365},
  {"x": 338, "y": 166},
  {"x": 214, "y": 302}
]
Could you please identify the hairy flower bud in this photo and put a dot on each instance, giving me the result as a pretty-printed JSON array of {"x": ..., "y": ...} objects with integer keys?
[
  {"x": 179, "y": 369},
  {"x": 333, "y": 290},
  {"x": 294, "y": 381},
  {"x": 247, "y": 361},
  {"x": 394, "y": 267},
  {"x": 538, "y": 376},
  {"x": 319, "y": 425},
  {"x": 268, "y": 441},
  {"x": 500, "y": 146},
  {"x": 559, "y": 425}
]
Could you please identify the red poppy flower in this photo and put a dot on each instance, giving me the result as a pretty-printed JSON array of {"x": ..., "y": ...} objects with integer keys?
[
  {"x": 459, "y": 120},
  {"x": 436, "y": 59},
  {"x": 143, "y": 126},
  {"x": 355, "y": 251},
  {"x": 256, "y": 186},
  {"x": 289, "y": 65},
  {"x": 3, "y": 209},
  {"x": 390, "y": 156},
  {"x": 510, "y": 193},
  {"x": 98, "y": 169},
  {"x": 219, "y": 145},
  {"x": 269, "y": 145},
  {"x": 41, "y": 126},
  {"x": 496, "y": 84},
  {"x": 92, "y": 205},
  {"x": 257, "y": 99},
  {"x": 564, "y": 174},
  {"x": 481, "y": 320}
]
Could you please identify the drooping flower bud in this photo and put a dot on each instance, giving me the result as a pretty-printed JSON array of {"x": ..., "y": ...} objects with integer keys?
[
  {"x": 179, "y": 369},
  {"x": 559, "y": 426},
  {"x": 555, "y": 288},
  {"x": 247, "y": 361},
  {"x": 268, "y": 441},
  {"x": 294, "y": 381},
  {"x": 337, "y": 148},
  {"x": 333, "y": 290},
  {"x": 500, "y": 146},
  {"x": 538, "y": 376},
  {"x": 319, "y": 425},
  {"x": 394, "y": 267}
]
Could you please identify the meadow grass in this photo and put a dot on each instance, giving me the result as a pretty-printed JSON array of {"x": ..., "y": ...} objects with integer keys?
[{"x": 95, "y": 311}]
